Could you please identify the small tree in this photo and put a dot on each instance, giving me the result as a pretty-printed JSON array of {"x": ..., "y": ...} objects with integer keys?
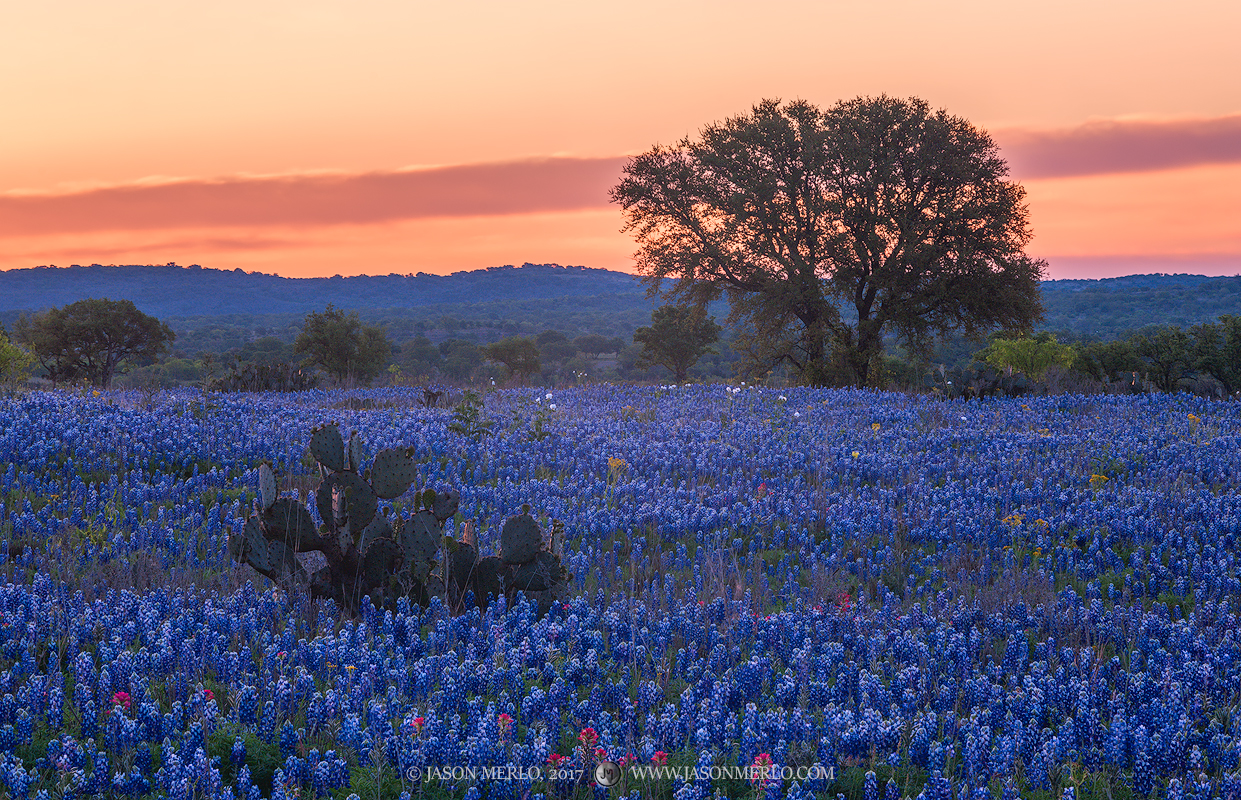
[
  {"x": 519, "y": 353},
  {"x": 1166, "y": 351},
  {"x": 592, "y": 344},
  {"x": 15, "y": 363},
  {"x": 1030, "y": 357},
  {"x": 1216, "y": 350},
  {"x": 461, "y": 359},
  {"x": 93, "y": 339},
  {"x": 339, "y": 344},
  {"x": 677, "y": 338}
]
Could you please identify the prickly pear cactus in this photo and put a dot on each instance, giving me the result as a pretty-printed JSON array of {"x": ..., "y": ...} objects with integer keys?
[
  {"x": 393, "y": 472},
  {"x": 327, "y": 447},
  {"x": 539, "y": 574},
  {"x": 420, "y": 543},
  {"x": 520, "y": 539},
  {"x": 267, "y": 485},
  {"x": 367, "y": 553}
]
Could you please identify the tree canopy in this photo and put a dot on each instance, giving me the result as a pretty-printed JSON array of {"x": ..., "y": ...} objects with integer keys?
[
  {"x": 93, "y": 339},
  {"x": 519, "y": 353},
  {"x": 342, "y": 346},
  {"x": 15, "y": 363},
  {"x": 677, "y": 338},
  {"x": 901, "y": 214},
  {"x": 1031, "y": 357}
]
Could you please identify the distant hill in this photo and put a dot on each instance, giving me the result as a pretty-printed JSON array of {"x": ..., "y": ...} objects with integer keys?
[
  {"x": 173, "y": 291},
  {"x": 1109, "y": 307},
  {"x": 536, "y": 295}
]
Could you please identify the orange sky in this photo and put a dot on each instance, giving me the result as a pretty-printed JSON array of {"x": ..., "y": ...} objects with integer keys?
[{"x": 315, "y": 138}]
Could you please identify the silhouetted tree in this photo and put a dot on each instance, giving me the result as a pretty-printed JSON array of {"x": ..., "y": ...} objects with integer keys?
[
  {"x": 419, "y": 358},
  {"x": 93, "y": 339},
  {"x": 902, "y": 213}
]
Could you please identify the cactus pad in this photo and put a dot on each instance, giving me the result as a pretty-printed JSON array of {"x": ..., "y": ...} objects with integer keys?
[
  {"x": 288, "y": 521},
  {"x": 379, "y": 528},
  {"x": 520, "y": 539},
  {"x": 461, "y": 563},
  {"x": 267, "y": 486},
  {"x": 327, "y": 447},
  {"x": 355, "y": 453},
  {"x": 420, "y": 543},
  {"x": 433, "y": 586},
  {"x": 392, "y": 473},
  {"x": 286, "y": 563},
  {"x": 487, "y": 579},
  {"x": 539, "y": 575},
  {"x": 236, "y": 545},
  {"x": 257, "y": 550},
  {"x": 346, "y": 492},
  {"x": 445, "y": 504},
  {"x": 379, "y": 562}
]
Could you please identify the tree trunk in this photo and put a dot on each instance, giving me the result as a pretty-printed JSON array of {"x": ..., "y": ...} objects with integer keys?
[{"x": 869, "y": 345}]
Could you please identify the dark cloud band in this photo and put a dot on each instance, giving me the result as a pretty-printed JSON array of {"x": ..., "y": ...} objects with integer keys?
[
  {"x": 552, "y": 184},
  {"x": 1099, "y": 148}
]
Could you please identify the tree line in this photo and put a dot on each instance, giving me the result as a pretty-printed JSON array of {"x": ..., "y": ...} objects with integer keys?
[
  {"x": 838, "y": 236},
  {"x": 95, "y": 341}
]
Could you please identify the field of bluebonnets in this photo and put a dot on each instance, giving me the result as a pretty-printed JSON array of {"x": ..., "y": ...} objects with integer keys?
[{"x": 941, "y": 599}]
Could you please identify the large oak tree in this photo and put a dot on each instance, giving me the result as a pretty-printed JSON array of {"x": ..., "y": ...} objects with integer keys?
[
  {"x": 93, "y": 339},
  {"x": 902, "y": 215}
]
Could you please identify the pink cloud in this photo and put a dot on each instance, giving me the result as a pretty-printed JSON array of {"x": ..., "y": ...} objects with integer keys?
[
  {"x": 1111, "y": 146},
  {"x": 519, "y": 187}
]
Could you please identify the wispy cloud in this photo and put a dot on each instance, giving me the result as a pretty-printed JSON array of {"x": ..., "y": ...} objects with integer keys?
[
  {"x": 1111, "y": 146},
  {"x": 305, "y": 200}
]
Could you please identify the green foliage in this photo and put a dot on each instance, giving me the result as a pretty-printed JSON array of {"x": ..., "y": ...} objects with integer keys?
[
  {"x": 1165, "y": 351},
  {"x": 901, "y": 213},
  {"x": 338, "y": 343},
  {"x": 460, "y": 359},
  {"x": 265, "y": 377},
  {"x": 592, "y": 344},
  {"x": 1216, "y": 351},
  {"x": 419, "y": 359},
  {"x": 262, "y": 758},
  {"x": 93, "y": 340},
  {"x": 519, "y": 354},
  {"x": 468, "y": 417},
  {"x": 677, "y": 338},
  {"x": 1030, "y": 356},
  {"x": 1107, "y": 361},
  {"x": 15, "y": 364}
]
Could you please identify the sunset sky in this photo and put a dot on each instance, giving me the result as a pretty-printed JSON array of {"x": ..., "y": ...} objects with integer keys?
[{"x": 316, "y": 138}]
